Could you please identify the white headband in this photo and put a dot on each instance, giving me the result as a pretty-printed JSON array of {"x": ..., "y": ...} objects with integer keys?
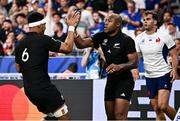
[{"x": 37, "y": 23}]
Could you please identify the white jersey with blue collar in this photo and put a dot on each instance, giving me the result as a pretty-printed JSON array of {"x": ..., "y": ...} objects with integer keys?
[{"x": 154, "y": 49}]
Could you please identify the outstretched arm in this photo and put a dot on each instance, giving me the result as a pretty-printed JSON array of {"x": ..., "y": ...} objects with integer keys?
[
  {"x": 80, "y": 43},
  {"x": 72, "y": 21},
  {"x": 83, "y": 43}
]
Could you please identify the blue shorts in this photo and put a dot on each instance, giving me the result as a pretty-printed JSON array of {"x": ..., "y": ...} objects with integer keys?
[{"x": 155, "y": 84}]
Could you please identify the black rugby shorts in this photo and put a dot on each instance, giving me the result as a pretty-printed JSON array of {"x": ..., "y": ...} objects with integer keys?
[
  {"x": 47, "y": 100},
  {"x": 118, "y": 87}
]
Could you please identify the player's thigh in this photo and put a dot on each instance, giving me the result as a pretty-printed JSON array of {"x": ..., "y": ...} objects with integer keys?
[
  {"x": 109, "y": 107},
  {"x": 152, "y": 87},
  {"x": 121, "y": 106},
  {"x": 163, "y": 97}
]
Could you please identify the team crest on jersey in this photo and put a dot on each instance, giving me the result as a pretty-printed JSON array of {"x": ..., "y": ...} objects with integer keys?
[
  {"x": 158, "y": 39},
  {"x": 104, "y": 42}
]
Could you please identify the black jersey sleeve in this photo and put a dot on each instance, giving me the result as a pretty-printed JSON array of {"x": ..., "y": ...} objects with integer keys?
[
  {"x": 98, "y": 38},
  {"x": 52, "y": 44},
  {"x": 17, "y": 59},
  {"x": 130, "y": 45}
]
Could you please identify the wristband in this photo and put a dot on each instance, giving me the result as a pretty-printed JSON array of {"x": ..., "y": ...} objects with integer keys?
[{"x": 71, "y": 28}]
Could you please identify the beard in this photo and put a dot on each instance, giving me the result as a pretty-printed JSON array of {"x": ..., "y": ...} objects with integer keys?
[
  {"x": 110, "y": 32},
  {"x": 167, "y": 20}
]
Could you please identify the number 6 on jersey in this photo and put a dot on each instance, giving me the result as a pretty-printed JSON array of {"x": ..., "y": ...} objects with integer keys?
[{"x": 25, "y": 55}]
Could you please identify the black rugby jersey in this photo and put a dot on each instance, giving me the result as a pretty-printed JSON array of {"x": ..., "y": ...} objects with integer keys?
[
  {"x": 32, "y": 54},
  {"x": 115, "y": 48}
]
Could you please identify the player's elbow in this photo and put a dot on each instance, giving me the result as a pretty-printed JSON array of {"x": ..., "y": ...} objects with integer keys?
[
  {"x": 80, "y": 46},
  {"x": 136, "y": 65},
  {"x": 68, "y": 50}
]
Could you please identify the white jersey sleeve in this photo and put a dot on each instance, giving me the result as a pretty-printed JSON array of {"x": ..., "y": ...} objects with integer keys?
[
  {"x": 137, "y": 41},
  {"x": 169, "y": 41}
]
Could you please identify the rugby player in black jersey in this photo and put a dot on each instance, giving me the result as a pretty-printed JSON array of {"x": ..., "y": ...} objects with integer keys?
[
  {"x": 31, "y": 56},
  {"x": 121, "y": 57}
]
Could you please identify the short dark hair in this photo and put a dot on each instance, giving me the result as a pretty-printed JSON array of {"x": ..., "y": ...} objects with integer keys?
[
  {"x": 21, "y": 15},
  {"x": 8, "y": 20},
  {"x": 59, "y": 24},
  {"x": 131, "y": 1},
  {"x": 57, "y": 13},
  {"x": 168, "y": 11},
  {"x": 77, "y": 1},
  {"x": 174, "y": 25},
  {"x": 34, "y": 17},
  {"x": 153, "y": 13},
  {"x": 178, "y": 39}
]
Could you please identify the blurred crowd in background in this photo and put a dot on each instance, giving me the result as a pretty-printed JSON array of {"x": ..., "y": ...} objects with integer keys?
[
  {"x": 13, "y": 21},
  {"x": 13, "y": 18}
]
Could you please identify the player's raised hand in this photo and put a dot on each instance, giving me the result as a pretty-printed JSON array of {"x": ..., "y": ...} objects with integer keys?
[{"x": 73, "y": 16}]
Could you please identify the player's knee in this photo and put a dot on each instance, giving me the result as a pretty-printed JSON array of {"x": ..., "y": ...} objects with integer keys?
[
  {"x": 163, "y": 107},
  {"x": 120, "y": 116},
  {"x": 158, "y": 111},
  {"x": 155, "y": 107},
  {"x": 110, "y": 115}
]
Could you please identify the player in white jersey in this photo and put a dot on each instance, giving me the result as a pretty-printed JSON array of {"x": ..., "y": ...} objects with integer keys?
[{"x": 154, "y": 47}]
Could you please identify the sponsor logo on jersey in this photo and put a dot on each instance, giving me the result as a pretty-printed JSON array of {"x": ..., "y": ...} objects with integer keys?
[
  {"x": 142, "y": 41},
  {"x": 116, "y": 45},
  {"x": 123, "y": 95},
  {"x": 109, "y": 51}
]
